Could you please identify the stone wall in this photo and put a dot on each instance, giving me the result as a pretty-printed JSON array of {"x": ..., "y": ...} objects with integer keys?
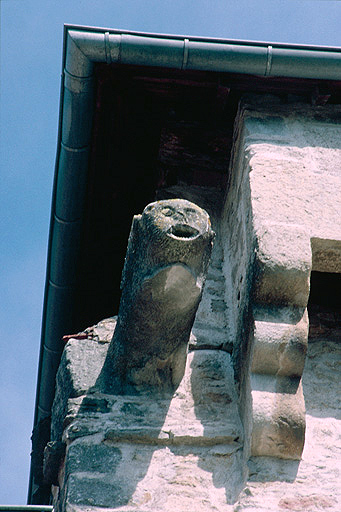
[
  {"x": 311, "y": 484},
  {"x": 293, "y": 154},
  {"x": 241, "y": 393},
  {"x": 238, "y": 245},
  {"x": 147, "y": 451}
]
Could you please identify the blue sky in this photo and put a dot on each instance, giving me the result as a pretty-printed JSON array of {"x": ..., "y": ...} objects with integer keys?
[{"x": 31, "y": 54}]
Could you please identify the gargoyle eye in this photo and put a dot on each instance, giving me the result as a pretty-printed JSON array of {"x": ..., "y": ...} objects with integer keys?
[{"x": 167, "y": 211}]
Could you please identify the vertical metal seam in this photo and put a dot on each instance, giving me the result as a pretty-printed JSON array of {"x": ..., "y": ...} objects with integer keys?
[
  {"x": 268, "y": 61},
  {"x": 107, "y": 48},
  {"x": 120, "y": 48},
  {"x": 185, "y": 55}
]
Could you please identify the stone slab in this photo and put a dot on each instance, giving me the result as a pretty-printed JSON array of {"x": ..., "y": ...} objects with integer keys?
[
  {"x": 202, "y": 411},
  {"x": 127, "y": 477}
]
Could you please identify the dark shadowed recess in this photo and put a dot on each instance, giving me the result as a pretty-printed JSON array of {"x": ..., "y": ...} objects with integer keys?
[
  {"x": 154, "y": 128},
  {"x": 324, "y": 306},
  {"x": 150, "y": 132}
]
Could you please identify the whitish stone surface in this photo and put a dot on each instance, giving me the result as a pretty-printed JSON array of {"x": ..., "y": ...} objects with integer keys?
[
  {"x": 292, "y": 155},
  {"x": 280, "y": 347},
  {"x": 144, "y": 478},
  {"x": 283, "y": 264},
  {"x": 274, "y": 485},
  {"x": 294, "y": 158},
  {"x": 309, "y": 485},
  {"x": 278, "y": 416},
  {"x": 312, "y": 484}
]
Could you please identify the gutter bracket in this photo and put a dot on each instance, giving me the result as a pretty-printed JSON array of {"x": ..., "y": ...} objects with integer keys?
[
  {"x": 107, "y": 48},
  {"x": 185, "y": 55},
  {"x": 268, "y": 61}
]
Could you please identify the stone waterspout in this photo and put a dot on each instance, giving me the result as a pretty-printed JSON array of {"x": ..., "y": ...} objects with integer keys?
[{"x": 167, "y": 257}]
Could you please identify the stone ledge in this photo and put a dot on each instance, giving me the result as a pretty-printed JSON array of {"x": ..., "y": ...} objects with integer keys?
[{"x": 203, "y": 410}]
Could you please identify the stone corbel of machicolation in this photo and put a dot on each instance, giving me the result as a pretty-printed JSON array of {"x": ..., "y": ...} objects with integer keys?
[{"x": 281, "y": 291}]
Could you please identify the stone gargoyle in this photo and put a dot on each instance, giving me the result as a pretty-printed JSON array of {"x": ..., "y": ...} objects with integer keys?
[{"x": 168, "y": 252}]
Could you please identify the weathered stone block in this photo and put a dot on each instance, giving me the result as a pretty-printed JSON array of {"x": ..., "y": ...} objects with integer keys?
[
  {"x": 156, "y": 451},
  {"x": 202, "y": 411},
  {"x": 94, "y": 491},
  {"x": 94, "y": 458},
  {"x": 278, "y": 416},
  {"x": 280, "y": 348},
  {"x": 160, "y": 479},
  {"x": 80, "y": 366},
  {"x": 282, "y": 266}
]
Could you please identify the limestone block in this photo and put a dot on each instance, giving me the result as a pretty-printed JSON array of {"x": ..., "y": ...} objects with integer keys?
[
  {"x": 80, "y": 366},
  {"x": 326, "y": 255},
  {"x": 127, "y": 477},
  {"x": 278, "y": 412},
  {"x": 280, "y": 348},
  {"x": 294, "y": 154},
  {"x": 282, "y": 266},
  {"x": 278, "y": 416},
  {"x": 202, "y": 411}
]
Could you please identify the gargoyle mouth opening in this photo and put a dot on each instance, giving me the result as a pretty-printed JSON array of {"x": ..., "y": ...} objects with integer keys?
[{"x": 183, "y": 231}]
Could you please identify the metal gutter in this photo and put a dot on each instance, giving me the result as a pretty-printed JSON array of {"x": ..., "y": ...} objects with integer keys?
[
  {"x": 26, "y": 508},
  {"x": 83, "y": 28},
  {"x": 181, "y": 52},
  {"x": 83, "y": 48}
]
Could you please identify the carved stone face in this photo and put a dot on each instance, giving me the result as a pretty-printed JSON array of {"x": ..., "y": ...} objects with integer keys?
[{"x": 176, "y": 218}]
